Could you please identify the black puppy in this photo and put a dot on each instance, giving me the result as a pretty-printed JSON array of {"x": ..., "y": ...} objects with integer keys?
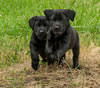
[
  {"x": 61, "y": 36},
  {"x": 40, "y": 27}
]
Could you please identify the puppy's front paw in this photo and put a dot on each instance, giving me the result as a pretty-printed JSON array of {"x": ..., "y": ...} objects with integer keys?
[
  {"x": 52, "y": 56},
  {"x": 57, "y": 57},
  {"x": 35, "y": 65}
]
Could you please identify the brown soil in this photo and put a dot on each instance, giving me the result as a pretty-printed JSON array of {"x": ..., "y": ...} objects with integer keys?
[{"x": 23, "y": 76}]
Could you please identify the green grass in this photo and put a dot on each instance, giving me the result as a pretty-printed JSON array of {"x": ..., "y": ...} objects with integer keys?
[{"x": 15, "y": 32}]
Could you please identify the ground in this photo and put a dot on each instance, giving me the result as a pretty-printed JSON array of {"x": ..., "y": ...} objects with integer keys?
[{"x": 88, "y": 76}]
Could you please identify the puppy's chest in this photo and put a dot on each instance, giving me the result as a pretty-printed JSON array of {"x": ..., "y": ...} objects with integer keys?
[
  {"x": 41, "y": 45},
  {"x": 56, "y": 44}
]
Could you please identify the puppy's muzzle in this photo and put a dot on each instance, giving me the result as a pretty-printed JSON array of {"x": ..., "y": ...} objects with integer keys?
[
  {"x": 57, "y": 28},
  {"x": 42, "y": 34}
]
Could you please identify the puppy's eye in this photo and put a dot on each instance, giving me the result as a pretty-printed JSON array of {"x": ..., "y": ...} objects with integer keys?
[
  {"x": 38, "y": 24},
  {"x": 60, "y": 19},
  {"x": 45, "y": 24},
  {"x": 51, "y": 20},
  {"x": 54, "y": 19}
]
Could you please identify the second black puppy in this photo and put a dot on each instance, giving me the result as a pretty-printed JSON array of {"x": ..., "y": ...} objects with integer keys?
[
  {"x": 40, "y": 27},
  {"x": 61, "y": 36}
]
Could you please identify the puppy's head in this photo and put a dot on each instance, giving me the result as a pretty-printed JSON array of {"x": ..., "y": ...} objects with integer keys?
[
  {"x": 59, "y": 20},
  {"x": 40, "y": 26}
]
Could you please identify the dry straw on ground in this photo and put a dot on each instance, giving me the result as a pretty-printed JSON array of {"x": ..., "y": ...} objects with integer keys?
[{"x": 22, "y": 75}]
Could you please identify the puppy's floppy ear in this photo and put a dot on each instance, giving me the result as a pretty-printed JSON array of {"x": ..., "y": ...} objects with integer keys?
[
  {"x": 70, "y": 14},
  {"x": 32, "y": 21},
  {"x": 48, "y": 13}
]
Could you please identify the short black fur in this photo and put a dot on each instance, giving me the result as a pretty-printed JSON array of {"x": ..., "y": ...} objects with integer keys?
[
  {"x": 61, "y": 36},
  {"x": 40, "y": 27}
]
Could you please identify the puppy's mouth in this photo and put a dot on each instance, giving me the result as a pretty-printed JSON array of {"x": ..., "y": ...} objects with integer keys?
[
  {"x": 42, "y": 37},
  {"x": 57, "y": 34}
]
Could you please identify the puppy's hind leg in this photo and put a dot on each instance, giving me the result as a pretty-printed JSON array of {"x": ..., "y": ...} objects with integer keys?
[{"x": 76, "y": 51}]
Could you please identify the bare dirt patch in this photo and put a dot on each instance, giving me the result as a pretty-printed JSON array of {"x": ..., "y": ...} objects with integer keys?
[{"x": 23, "y": 76}]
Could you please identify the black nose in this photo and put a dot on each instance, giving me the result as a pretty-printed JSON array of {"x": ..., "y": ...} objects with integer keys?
[
  {"x": 57, "y": 27},
  {"x": 41, "y": 31}
]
